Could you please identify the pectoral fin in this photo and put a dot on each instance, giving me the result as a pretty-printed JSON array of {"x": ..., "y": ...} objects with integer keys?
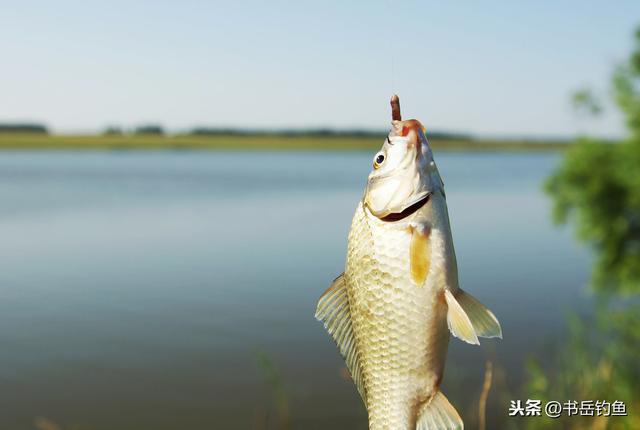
[
  {"x": 469, "y": 319},
  {"x": 333, "y": 311},
  {"x": 439, "y": 414},
  {"x": 420, "y": 254}
]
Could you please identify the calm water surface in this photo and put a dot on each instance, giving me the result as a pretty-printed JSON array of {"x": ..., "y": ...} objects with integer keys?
[{"x": 138, "y": 288}]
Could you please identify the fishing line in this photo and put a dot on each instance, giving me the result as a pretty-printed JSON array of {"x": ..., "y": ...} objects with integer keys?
[
  {"x": 390, "y": 49},
  {"x": 393, "y": 72}
]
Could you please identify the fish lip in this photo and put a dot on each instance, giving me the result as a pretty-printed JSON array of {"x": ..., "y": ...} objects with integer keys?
[{"x": 409, "y": 210}]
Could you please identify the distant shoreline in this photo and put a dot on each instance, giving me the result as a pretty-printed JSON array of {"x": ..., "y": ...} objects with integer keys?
[{"x": 253, "y": 142}]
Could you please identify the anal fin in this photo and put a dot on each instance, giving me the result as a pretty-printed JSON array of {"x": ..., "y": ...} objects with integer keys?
[
  {"x": 334, "y": 312},
  {"x": 439, "y": 414}
]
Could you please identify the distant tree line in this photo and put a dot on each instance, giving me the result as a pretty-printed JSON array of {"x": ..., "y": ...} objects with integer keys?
[
  {"x": 23, "y": 128},
  {"x": 314, "y": 132},
  {"x": 147, "y": 129},
  {"x": 158, "y": 130},
  {"x": 153, "y": 129}
]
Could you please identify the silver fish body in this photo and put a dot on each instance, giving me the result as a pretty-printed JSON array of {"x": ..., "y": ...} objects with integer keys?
[
  {"x": 391, "y": 311},
  {"x": 400, "y": 327}
]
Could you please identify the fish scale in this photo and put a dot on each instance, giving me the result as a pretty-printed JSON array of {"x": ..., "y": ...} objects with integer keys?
[
  {"x": 392, "y": 322},
  {"x": 391, "y": 311}
]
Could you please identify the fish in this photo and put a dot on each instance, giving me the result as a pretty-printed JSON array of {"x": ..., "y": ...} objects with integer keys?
[{"x": 393, "y": 308}]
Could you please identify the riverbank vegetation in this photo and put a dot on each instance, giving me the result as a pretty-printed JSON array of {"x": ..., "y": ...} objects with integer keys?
[
  {"x": 596, "y": 189},
  {"x": 142, "y": 141}
]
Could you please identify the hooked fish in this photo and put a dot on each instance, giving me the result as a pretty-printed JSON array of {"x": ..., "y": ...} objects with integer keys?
[{"x": 391, "y": 311}]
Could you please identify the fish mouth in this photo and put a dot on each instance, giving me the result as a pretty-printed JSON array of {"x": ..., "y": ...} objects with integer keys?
[{"x": 410, "y": 210}]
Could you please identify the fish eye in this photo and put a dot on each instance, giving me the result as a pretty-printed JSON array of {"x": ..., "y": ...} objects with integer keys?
[{"x": 377, "y": 162}]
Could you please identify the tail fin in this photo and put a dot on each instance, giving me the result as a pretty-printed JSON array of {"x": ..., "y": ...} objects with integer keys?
[{"x": 439, "y": 414}]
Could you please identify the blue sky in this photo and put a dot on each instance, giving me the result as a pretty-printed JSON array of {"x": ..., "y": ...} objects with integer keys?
[{"x": 499, "y": 69}]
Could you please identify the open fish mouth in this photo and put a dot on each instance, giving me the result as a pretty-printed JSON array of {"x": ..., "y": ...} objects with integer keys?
[{"x": 410, "y": 210}]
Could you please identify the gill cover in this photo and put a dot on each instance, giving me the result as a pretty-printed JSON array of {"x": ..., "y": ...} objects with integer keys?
[{"x": 404, "y": 171}]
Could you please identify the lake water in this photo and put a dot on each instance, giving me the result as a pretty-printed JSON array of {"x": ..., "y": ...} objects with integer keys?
[{"x": 137, "y": 289}]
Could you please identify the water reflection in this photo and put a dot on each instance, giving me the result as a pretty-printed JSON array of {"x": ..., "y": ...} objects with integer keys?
[{"x": 137, "y": 287}]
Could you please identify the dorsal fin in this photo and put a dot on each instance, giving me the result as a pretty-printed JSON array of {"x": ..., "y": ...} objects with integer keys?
[{"x": 333, "y": 311}]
